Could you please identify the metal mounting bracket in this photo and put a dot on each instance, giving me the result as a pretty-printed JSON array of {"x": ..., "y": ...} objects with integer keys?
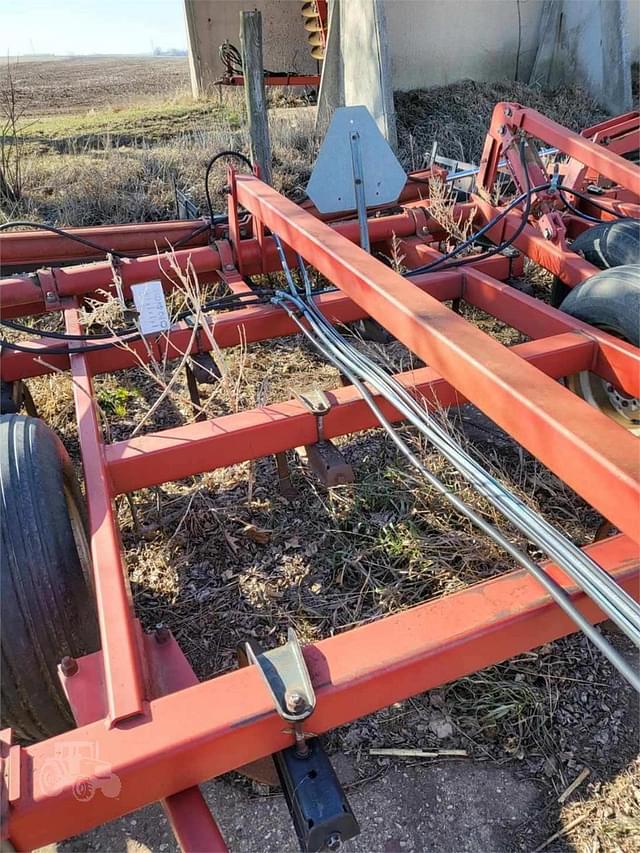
[
  {"x": 287, "y": 677},
  {"x": 323, "y": 457},
  {"x": 358, "y": 188},
  {"x": 316, "y": 402}
]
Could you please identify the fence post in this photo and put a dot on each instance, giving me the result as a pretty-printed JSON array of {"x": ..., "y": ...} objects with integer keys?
[{"x": 251, "y": 44}]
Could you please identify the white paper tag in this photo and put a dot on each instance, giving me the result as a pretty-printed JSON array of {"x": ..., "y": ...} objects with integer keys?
[{"x": 151, "y": 306}]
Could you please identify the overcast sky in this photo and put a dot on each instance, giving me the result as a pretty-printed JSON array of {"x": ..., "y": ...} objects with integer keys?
[{"x": 90, "y": 26}]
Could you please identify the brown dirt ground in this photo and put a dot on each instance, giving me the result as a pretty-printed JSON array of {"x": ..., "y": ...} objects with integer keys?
[{"x": 83, "y": 83}]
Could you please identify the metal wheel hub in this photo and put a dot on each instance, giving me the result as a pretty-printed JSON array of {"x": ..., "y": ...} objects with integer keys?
[{"x": 610, "y": 400}]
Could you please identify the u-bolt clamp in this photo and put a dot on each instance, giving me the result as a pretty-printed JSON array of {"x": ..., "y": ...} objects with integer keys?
[
  {"x": 316, "y": 402},
  {"x": 287, "y": 677}
]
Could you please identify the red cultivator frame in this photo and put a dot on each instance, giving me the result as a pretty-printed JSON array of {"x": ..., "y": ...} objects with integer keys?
[{"x": 137, "y": 701}]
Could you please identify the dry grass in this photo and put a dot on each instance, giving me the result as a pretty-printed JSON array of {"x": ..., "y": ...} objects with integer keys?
[
  {"x": 608, "y": 820},
  {"x": 457, "y": 116},
  {"x": 330, "y": 560},
  {"x": 118, "y": 163},
  {"x": 442, "y": 202},
  {"x": 109, "y": 182}
]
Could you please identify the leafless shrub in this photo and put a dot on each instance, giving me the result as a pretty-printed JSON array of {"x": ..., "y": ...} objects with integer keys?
[
  {"x": 442, "y": 204},
  {"x": 11, "y": 142}
]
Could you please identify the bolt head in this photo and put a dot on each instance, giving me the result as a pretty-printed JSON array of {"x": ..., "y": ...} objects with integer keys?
[
  {"x": 68, "y": 666},
  {"x": 508, "y": 112},
  {"x": 295, "y": 702},
  {"x": 50, "y": 296},
  {"x": 334, "y": 841},
  {"x": 502, "y": 130},
  {"x": 547, "y": 233},
  {"x": 162, "y": 634}
]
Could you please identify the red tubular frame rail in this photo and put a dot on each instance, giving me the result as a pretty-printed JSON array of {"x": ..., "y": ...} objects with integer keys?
[{"x": 137, "y": 702}]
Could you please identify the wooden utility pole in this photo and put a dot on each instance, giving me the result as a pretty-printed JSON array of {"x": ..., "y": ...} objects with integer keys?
[{"x": 251, "y": 44}]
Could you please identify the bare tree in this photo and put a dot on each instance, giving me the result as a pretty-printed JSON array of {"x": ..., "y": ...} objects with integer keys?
[{"x": 11, "y": 141}]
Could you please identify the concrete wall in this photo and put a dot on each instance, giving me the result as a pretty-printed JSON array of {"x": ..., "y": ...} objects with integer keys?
[
  {"x": 633, "y": 29},
  {"x": 431, "y": 42},
  {"x": 589, "y": 46},
  {"x": 435, "y": 42}
]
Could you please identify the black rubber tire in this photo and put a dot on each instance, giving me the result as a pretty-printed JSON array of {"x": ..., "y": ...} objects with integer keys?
[
  {"x": 47, "y": 609},
  {"x": 611, "y": 244},
  {"x": 609, "y": 300}
]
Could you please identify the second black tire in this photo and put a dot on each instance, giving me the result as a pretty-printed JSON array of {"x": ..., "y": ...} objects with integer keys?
[
  {"x": 608, "y": 245},
  {"x": 609, "y": 300}
]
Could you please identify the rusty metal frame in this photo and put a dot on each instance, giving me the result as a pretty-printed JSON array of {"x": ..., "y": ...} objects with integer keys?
[{"x": 138, "y": 700}]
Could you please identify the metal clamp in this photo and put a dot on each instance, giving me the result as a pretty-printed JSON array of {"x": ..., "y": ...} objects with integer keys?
[
  {"x": 322, "y": 816},
  {"x": 317, "y": 402},
  {"x": 323, "y": 457},
  {"x": 287, "y": 677}
]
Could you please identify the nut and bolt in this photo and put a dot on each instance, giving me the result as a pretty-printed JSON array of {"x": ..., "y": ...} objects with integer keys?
[
  {"x": 50, "y": 296},
  {"x": 229, "y": 267},
  {"x": 502, "y": 130},
  {"x": 333, "y": 842},
  {"x": 547, "y": 233},
  {"x": 508, "y": 112},
  {"x": 68, "y": 666},
  {"x": 162, "y": 634},
  {"x": 295, "y": 702}
]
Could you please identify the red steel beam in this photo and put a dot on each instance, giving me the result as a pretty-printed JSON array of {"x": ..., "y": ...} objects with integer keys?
[
  {"x": 19, "y": 249},
  {"x": 214, "y": 727},
  {"x": 123, "y": 682},
  {"x": 591, "y": 453},
  {"x": 614, "y": 359},
  {"x": 245, "y": 325},
  {"x": 156, "y": 458},
  {"x": 612, "y": 126},
  {"x": 274, "y": 80},
  {"x": 572, "y": 269},
  {"x": 597, "y": 157},
  {"x": 45, "y": 247},
  {"x": 167, "y": 671},
  {"x": 192, "y": 822}
]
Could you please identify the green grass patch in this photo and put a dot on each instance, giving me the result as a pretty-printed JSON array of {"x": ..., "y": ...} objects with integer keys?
[{"x": 147, "y": 122}]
